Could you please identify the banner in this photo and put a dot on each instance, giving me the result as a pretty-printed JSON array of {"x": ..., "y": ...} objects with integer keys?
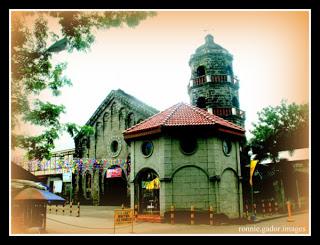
[
  {"x": 253, "y": 164},
  {"x": 154, "y": 184},
  {"x": 114, "y": 172}
]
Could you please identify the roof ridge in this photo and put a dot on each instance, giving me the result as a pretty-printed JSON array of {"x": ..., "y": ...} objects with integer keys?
[
  {"x": 212, "y": 117},
  {"x": 203, "y": 113},
  {"x": 145, "y": 120},
  {"x": 135, "y": 100},
  {"x": 173, "y": 111}
]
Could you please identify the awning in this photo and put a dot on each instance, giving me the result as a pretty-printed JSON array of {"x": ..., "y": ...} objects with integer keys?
[{"x": 38, "y": 195}]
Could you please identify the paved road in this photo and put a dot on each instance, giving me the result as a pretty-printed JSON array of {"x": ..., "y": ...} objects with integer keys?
[{"x": 99, "y": 220}]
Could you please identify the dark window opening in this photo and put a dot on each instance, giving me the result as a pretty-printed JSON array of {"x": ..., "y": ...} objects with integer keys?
[
  {"x": 147, "y": 148},
  {"x": 201, "y": 71},
  {"x": 226, "y": 144},
  {"x": 235, "y": 102},
  {"x": 114, "y": 146},
  {"x": 201, "y": 102},
  {"x": 188, "y": 145}
]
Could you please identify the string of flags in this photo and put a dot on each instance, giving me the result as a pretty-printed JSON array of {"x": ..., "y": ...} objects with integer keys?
[{"x": 78, "y": 165}]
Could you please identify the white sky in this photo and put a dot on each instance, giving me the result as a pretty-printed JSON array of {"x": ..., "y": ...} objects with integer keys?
[{"x": 150, "y": 62}]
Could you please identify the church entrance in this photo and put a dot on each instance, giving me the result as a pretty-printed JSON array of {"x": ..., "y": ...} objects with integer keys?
[
  {"x": 115, "y": 187},
  {"x": 147, "y": 188}
]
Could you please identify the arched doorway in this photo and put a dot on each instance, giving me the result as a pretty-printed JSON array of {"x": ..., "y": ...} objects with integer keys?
[
  {"x": 115, "y": 187},
  {"x": 147, "y": 191}
]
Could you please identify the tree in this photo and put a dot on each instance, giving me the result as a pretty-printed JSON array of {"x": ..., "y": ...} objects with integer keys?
[
  {"x": 284, "y": 127},
  {"x": 32, "y": 69}
]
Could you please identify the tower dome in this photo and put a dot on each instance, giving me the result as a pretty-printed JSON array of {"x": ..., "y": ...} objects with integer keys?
[{"x": 213, "y": 85}]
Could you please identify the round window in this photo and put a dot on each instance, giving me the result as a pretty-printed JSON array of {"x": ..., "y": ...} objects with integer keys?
[
  {"x": 226, "y": 146},
  {"x": 188, "y": 145},
  {"x": 147, "y": 148},
  {"x": 114, "y": 146}
]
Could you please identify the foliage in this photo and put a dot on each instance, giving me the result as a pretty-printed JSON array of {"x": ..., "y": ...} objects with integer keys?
[
  {"x": 279, "y": 128},
  {"x": 32, "y": 69}
]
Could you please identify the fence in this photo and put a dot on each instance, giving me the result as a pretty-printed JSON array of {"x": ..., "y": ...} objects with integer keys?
[
  {"x": 192, "y": 216},
  {"x": 263, "y": 208},
  {"x": 65, "y": 209}
]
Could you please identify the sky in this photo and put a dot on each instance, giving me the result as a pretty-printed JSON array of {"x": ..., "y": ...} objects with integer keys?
[{"x": 270, "y": 57}]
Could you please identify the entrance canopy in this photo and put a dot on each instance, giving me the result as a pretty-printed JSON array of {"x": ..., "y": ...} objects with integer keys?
[{"x": 34, "y": 194}]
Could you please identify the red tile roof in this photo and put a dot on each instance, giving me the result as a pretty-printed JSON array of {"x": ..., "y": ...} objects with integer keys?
[{"x": 181, "y": 115}]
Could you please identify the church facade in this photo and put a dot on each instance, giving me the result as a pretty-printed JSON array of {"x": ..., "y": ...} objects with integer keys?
[{"x": 116, "y": 113}]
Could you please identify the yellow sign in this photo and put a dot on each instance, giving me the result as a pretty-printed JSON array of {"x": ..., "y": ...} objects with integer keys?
[
  {"x": 253, "y": 164},
  {"x": 123, "y": 216}
]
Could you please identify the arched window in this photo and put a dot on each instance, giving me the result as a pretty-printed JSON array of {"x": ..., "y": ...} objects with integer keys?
[
  {"x": 113, "y": 108},
  {"x": 201, "y": 102},
  {"x": 98, "y": 129},
  {"x": 113, "y": 112},
  {"x": 105, "y": 120},
  {"x": 235, "y": 102},
  {"x": 201, "y": 71},
  {"x": 88, "y": 181},
  {"x": 130, "y": 120},
  {"x": 105, "y": 116},
  {"x": 122, "y": 118}
]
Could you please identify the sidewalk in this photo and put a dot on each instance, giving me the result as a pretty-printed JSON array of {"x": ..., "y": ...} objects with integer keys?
[
  {"x": 267, "y": 217},
  {"x": 99, "y": 221}
]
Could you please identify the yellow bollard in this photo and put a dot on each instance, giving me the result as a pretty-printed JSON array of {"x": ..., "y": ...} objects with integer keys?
[
  {"x": 255, "y": 209},
  {"x": 270, "y": 208},
  {"x": 136, "y": 211},
  {"x": 290, "y": 219},
  {"x": 276, "y": 207},
  {"x": 211, "y": 215},
  {"x": 70, "y": 208},
  {"x": 192, "y": 215},
  {"x": 78, "y": 215},
  {"x": 263, "y": 208},
  {"x": 172, "y": 215},
  {"x": 63, "y": 206},
  {"x": 247, "y": 211}
]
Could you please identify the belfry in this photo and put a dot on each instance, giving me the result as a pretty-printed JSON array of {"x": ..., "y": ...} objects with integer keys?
[{"x": 213, "y": 85}]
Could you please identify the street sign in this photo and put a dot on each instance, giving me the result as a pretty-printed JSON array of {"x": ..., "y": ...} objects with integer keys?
[{"x": 123, "y": 216}]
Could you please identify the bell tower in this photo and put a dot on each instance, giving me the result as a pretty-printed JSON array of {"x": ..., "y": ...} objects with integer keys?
[{"x": 213, "y": 86}]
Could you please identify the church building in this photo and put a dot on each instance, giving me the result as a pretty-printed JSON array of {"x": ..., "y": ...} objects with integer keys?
[{"x": 116, "y": 113}]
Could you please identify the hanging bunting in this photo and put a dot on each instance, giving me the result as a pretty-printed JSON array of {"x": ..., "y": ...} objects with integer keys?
[{"x": 79, "y": 165}]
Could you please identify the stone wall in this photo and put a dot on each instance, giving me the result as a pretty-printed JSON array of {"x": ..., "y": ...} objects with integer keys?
[{"x": 187, "y": 179}]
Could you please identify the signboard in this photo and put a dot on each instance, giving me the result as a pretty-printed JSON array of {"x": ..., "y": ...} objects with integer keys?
[
  {"x": 57, "y": 186},
  {"x": 114, "y": 172},
  {"x": 67, "y": 177},
  {"x": 123, "y": 216}
]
